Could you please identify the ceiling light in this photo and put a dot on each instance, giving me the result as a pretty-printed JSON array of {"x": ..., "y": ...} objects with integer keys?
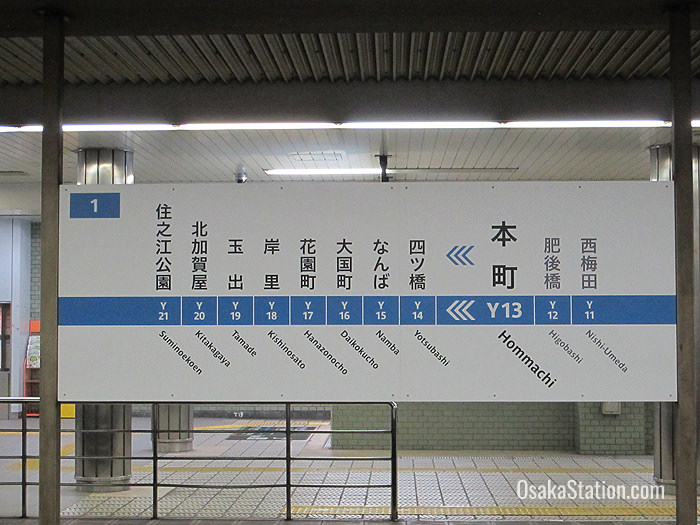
[
  {"x": 249, "y": 126},
  {"x": 390, "y": 171},
  {"x": 256, "y": 125},
  {"x": 20, "y": 129},
  {"x": 420, "y": 125},
  {"x": 68, "y": 128},
  {"x": 450, "y": 171},
  {"x": 329, "y": 171},
  {"x": 587, "y": 124}
]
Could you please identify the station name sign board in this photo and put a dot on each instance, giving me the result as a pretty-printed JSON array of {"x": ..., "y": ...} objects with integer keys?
[{"x": 517, "y": 291}]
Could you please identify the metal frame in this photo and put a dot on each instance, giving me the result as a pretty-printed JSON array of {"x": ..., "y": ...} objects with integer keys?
[
  {"x": 23, "y": 457},
  {"x": 288, "y": 458},
  {"x": 5, "y": 327}
]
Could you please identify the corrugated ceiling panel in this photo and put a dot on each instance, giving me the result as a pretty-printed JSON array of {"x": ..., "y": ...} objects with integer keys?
[
  {"x": 281, "y": 55},
  {"x": 448, "y": 62},
  {"x": 485, "y": 56},
  {"x": 642, "y": 46},
  {"x": 330, "y": 53},
  {"x": 349, "y": 57},
  {"x": 555, "y": 59},
  {"x": 417, "y": 58},
  {"x": 523, "y": 56},
  {"x": 365, "y": 56},
  {"x": 136, "y": 54},
  {"x": 298, "y": 57},
  {"x": 695, "y": 51},
  {"x": 185, "y": 63},
  {"x": 617, "y": 52},
  {"x": 400, "y": 59},
  {"x": 154, "y": 49},
  {"x": 131, "y": 60},
  {"x": 506, "y": 49},
  {"x": 246, "y": 56},
  {"x": 20, "y": 60},
  {"x": 229, "y": 56},
  {"x": 81, "y": 68},
  {"x": 263, "y": 57},
  {"x": 216, "y": 61},
  {"x": 197, "y": 58},
  {"x": 384, "y": 54},
  {"x": 312, "y": 48}
]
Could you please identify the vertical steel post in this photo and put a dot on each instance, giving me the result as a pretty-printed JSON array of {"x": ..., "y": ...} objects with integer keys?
[
  {"x": 51, "y": 178},
  {"x": 288, "y": 458},
  {"x": 394, "y": 465},
  {"x": 383, "y": 162},
  {"x": 685, "y": 435},
  {"x": 24, "y": 460},
  {"x": 154, "y": 439}
]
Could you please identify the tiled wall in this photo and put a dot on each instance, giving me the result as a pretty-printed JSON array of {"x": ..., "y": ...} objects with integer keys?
[
  {"x": 473, "y": 426},
  {"x": 579, "y": 427},
  {"x": 597, "y": 433},
  {"x": 35, "y": 293}
]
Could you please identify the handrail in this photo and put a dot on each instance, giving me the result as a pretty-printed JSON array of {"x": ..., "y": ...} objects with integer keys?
[
  {"x": 287, "y": 458},
  {"x": 23, "y": 456}
]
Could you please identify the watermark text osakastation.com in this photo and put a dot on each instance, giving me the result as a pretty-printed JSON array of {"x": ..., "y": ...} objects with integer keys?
[{"x": 599, "y": 490}]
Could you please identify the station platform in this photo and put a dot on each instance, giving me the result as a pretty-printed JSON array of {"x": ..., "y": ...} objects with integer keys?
[
  {"x": 82, "y": 521},
  {"x": 436, "y": 486}
]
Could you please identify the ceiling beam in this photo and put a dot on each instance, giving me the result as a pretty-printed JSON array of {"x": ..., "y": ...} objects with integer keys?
[
  {"x": 181, "y": 17},
  {"x": 348, "y": 102}
]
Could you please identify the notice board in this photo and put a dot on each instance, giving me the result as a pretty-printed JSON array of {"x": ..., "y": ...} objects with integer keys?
[{"x": 514, "y": 291}]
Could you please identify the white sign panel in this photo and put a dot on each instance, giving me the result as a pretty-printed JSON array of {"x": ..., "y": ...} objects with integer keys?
[{"x": 347, "y": 291}]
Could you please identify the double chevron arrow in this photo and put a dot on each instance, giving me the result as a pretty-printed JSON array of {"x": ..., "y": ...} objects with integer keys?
[
  {"x": 458, "y": 255},
  {"x": 459, "y": 310}
]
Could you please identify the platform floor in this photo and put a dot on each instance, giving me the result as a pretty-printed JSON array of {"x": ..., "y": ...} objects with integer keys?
[{"x": 439, "y": 486}]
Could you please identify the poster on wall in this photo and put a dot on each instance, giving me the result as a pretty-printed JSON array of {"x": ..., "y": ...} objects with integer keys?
[{"x": 515, "y": 291}]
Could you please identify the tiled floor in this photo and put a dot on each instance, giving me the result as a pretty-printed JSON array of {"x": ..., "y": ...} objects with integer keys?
[{"x": 430, "y": 487}]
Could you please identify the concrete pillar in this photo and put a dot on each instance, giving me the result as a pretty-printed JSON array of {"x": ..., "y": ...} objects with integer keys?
[
  {"x": 51, "y": 178},
  {"x": 175, "y": 424},
  {"x": 103, "y": 431},
  {"x": 106, "y": 435},
  {"x": 665, "y": 417}
]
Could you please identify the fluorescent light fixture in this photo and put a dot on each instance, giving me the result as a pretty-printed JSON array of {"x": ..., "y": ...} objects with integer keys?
[
  {"x": 390, "y": 171},
  {"x": 204, "y": 126},
  {"x": 249, "y": 126},
  {"x": 21, "y": 129},
  {"x": 450, "y": 171},
  {"x": 587, "y": 124},
  {"x": 117, "y": 127},
  {"x": 329, "y": 171},
  {"x": 68, "y": 128},
  {"x": 421, "y": 125}
]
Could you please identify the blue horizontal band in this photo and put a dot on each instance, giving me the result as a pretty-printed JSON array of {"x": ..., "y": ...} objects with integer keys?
[{"x": 369, "y": 310}]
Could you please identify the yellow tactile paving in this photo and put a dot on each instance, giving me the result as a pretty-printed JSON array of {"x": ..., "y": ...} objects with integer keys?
[
  {"x": 276, "y": 424},
  {"x": 33, "y": 463},
  {"x": 322, "y": 468},
  {"x": 597, "y": 510}
]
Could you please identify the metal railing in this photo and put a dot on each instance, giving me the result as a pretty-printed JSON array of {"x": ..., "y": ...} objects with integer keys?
[
  {"x": 23, "y": 455},
  {"x": 288, "y": 458}
]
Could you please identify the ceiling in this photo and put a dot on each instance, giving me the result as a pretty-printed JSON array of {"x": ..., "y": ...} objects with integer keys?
[
  {"x": 497, "y": 154},
  {"x": 346, "y": 61},
  {"x": 348, "y": 57}
]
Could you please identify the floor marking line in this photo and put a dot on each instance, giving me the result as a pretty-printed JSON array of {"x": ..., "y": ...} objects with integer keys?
[
  {"x": 589, "y": 510},
  {"x": 357, "y": 470},
  {"x": 33, "y": 463}
]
